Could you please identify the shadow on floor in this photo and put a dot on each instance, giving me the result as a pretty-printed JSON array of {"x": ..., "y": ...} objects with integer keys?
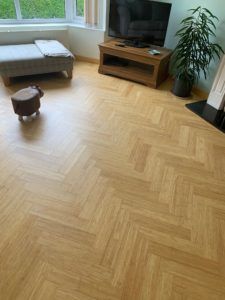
[
  {"x": 32, "y": 129},
  {"x": 46, "y": 81}
]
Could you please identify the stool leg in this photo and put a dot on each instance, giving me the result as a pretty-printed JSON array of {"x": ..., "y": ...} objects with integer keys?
[
  {"x": 38, "y": 112},
  {"x": 20, "y": 118},
  {"x": 29, "y": 118}
]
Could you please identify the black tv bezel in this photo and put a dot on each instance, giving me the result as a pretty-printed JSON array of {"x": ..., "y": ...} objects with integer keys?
[{"x": 136, "y": 38}]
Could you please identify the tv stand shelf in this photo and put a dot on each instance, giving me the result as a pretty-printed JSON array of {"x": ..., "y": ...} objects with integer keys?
[{"x": 134, "y": 63}]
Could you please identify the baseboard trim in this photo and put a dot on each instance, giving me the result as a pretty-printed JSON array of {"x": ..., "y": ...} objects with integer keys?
[
  {"x": 200, "y": 93},
  {"x": 196, "y": 90},
  {"x": 87, "y": 59}
]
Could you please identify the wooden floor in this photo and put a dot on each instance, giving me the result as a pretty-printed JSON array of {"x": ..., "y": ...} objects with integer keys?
[{"x": 117, "y": 191}]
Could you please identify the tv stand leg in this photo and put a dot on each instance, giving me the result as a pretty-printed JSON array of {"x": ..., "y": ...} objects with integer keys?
[{"x": 6, "y": 80}]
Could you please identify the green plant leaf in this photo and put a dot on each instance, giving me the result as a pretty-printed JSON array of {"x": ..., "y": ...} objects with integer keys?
[
  {"x": 187, "y": 19},
  {"x": 211, "y": 15},
  {"x": 194, "y": 50},
  {"x": 195, "y": 9}
]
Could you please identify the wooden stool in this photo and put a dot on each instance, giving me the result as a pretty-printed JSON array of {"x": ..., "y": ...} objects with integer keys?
[{"x": 27, "y": 101}]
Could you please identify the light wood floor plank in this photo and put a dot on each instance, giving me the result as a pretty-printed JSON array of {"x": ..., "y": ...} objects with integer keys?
[{"x": 116, "y": 192}]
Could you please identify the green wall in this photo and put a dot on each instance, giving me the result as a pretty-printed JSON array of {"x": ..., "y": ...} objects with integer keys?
[{"x": 179, "y": 11}]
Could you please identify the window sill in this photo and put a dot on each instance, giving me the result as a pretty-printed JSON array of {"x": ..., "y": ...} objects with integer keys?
[
  {"x": 46, "y": 27},
  {"x": 32, "y": 27},
  {"x": 85, "y": 26}
]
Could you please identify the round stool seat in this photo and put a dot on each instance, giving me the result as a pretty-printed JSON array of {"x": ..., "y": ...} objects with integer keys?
[{"x": 26, "y": 101}]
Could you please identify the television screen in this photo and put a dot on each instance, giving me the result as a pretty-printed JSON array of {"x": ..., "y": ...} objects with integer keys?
[{"x": 139, "y": 20}]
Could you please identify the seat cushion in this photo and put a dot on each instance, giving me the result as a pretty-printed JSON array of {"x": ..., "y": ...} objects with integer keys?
[
  {"x": 26, "y": 101},
  {"x": 25, "y": 94},
  {"x": 27, "y": 59}
]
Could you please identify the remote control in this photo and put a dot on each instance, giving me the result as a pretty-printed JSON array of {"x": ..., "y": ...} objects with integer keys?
[{"x": 154, "y": 52}]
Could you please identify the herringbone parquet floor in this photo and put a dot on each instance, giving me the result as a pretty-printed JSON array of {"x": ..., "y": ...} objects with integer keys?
[{"x": 116, "y": 192}]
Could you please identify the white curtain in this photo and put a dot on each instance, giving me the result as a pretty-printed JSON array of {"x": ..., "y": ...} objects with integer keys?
[{"x": 91, "y": 12}]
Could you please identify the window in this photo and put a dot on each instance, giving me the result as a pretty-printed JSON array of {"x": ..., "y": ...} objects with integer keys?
[
  {"x": 40, "y": 10},
  {"x": 7, "y": 9},
  {"x": 80, "y": 8}
]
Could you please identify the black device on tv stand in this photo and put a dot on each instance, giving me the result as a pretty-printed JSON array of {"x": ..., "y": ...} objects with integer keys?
[{"x": 135, "y": 43}]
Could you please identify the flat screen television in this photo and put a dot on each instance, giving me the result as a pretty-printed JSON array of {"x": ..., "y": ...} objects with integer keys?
[{"x": 140, "y": 20}]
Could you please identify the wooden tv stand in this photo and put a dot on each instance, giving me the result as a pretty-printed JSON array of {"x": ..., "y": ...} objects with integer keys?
[{"x": 134, "y": 63}]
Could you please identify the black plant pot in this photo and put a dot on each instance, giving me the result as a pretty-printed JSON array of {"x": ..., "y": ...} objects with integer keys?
[{"x": 182, "y": 87}]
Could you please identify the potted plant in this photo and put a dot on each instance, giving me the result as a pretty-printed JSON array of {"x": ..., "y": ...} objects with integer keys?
[{"x": 195, "y": 50}]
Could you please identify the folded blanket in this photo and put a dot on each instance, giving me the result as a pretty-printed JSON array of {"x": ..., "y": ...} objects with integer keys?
[{"x": 52, "y": 48}]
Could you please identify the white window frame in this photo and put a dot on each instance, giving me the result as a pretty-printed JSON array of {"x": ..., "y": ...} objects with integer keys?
[
  {"x": 77, "y": 18},
  {"x": 70, "y": 16}
]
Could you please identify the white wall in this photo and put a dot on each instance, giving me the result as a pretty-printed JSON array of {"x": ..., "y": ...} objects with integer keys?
[
  {"x": 84, "y": 41},
  {"x": 22, "y": 35},
  {"x": 179, "y": 11},
  {"x": 80, "y": 40}
]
